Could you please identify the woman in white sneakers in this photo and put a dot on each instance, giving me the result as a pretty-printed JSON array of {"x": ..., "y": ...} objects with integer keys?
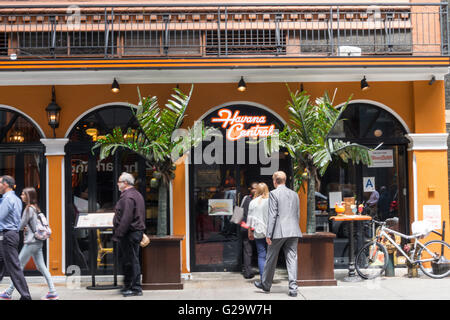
[{"x": 32, "y": 247}]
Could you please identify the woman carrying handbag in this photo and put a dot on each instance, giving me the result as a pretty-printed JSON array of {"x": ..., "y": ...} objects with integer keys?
[{"x": 32, "y": 246}]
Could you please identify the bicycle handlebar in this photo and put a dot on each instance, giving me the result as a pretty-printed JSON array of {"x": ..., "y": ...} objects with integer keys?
[{"x": 381, "y": 223}]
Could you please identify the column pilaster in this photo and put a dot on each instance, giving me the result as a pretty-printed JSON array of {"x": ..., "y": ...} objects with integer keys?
[{"x": 54, "y": 153}]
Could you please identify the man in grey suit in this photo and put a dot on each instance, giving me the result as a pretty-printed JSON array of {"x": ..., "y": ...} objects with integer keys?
[{"x": 283, "y": 231}]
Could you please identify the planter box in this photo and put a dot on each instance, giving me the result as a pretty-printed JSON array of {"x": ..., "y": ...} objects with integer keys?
[
  {"x": 161, "y": 263},
  {"x": 316, "y": 260}
]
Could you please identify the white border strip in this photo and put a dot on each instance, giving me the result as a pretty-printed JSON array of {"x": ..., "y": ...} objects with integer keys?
[
  {"x": 231, "y": 75},
  {"x": 187, "y": 213},
  {"x": 427, "y": 141},
  {"x": 416, "y": 199}
]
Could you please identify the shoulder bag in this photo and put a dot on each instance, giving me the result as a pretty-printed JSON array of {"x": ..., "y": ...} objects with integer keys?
[{"x": 238, "y": 213}]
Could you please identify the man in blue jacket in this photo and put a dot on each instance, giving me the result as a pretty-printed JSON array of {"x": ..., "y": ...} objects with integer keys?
[{"x": 10, "y": 216}]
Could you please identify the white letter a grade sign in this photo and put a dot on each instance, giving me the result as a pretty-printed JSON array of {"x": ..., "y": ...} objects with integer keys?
[{"x": 369, "y": 184}]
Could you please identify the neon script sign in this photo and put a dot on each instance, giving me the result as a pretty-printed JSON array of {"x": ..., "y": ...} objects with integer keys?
[{"x": 236, "y": 125}]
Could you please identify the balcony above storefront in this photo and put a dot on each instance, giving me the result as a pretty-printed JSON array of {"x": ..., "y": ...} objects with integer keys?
[{"x": 130, "y": 31}]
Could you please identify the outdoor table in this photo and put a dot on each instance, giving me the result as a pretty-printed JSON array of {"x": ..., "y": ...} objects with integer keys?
[{"x": 351, "y": 255}]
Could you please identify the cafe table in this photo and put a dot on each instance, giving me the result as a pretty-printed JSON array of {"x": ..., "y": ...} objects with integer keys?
[{"x": 352, "y": 277}]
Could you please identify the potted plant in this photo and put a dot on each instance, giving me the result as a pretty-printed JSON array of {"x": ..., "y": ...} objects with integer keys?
[
  {"x": 156, "y": 139},
  {"x": 307, "y": 139}
]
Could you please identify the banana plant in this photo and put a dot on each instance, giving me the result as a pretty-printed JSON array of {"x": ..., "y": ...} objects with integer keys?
[
  {"x": 307, "y": 139},
  {"x": 155, "y": 138}
]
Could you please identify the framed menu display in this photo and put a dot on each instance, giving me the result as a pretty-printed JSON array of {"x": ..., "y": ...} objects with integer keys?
[
  {"x": 95, "y": 220},
  {"x": 220, "y": 207}
]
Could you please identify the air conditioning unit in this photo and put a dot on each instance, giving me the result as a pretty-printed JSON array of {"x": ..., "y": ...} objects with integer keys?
[{"x": 344, "y": 51}]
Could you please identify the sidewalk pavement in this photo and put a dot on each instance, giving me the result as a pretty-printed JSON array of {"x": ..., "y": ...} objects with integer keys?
[{"x": 232, "y": 286}]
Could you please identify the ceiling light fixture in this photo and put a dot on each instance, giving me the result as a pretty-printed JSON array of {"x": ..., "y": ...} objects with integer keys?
[
  {"x": 115, "y": 88},
  {"x": 364, "y": 84},
  {"x": 433, "y": 79},
  {"x": 241, "y": 85}
]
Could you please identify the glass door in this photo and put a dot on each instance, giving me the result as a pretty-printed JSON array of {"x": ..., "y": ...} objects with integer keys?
[
  {"x": 27, "y": 167},
  {"x": 382, "y": 187},
  {"x": 222, "y": 177},
  {"x": 216, "y": 239},
  {"x": 91, "y": 183},
  {"x": 92, "y": 187}
]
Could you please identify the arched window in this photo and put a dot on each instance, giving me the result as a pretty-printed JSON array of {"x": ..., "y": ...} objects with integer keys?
[
  {"x": 222, "y": 174},
  {"x": 91, "y": 183},
  {"x": 102, "y": 121},
  {"x": 15, "y": 128},
  {"x": 366, "y": 123},
  {"x": 381, "y": 187},
  {"x": 22, "y": 157}
]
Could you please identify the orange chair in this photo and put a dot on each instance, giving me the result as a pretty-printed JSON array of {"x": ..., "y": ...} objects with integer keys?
[{"x": 102, "y": 252}]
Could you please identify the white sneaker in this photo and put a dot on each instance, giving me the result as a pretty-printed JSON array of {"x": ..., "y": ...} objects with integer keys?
[{"x": 51, "y": 296}]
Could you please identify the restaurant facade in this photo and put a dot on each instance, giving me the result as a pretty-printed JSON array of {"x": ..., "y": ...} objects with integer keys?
[{"x": 154, "y": 49}]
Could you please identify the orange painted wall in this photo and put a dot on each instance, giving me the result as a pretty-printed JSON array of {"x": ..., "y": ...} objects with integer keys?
[
  {"x": 55, "y": 204},
  {"x": 418, "y": 104},
  {"x": 74, "y": 100},
  {"x": 179, "y": 211},
  {"x": 429, "y": 107},
  {"x": 433, "y": 174}
]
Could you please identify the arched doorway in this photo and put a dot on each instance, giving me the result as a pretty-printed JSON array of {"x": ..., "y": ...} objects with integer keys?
[
  {"x": 220, "y": 173},
  {"x": 91, "y": 183},
  {"x": 384, "y": 184},
  {"x": 22, "y": 157}
]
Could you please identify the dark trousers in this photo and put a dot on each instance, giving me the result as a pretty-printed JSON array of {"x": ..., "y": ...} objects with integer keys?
[
  {"x": 131, "y": 267},
  {"x": 247, "y": 252},
  {"x": 9, "y": 262}
]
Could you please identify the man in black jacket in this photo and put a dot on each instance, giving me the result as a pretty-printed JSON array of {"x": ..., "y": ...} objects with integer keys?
[{"x": 129, "y": 226}]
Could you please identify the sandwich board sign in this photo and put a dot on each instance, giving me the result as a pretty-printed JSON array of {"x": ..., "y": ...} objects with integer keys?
[{"x": 369, "y": 184}]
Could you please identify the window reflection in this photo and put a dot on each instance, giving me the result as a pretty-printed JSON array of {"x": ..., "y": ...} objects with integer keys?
[
  {"x": 14, "y": 128},
  {"x": 93, "y": 185},
  {"x": 387, "y": 197},
  {"x": 98, "y": 123}
]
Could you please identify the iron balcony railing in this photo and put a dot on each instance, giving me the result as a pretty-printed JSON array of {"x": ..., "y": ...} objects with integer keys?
[{"x": 49, "y": 32}]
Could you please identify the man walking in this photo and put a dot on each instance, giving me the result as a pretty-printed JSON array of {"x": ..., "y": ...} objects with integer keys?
[
  {"x": 129, "y": 226},
  {"x": 283, "y": 231},
  {"x": 10, "y": 216}
]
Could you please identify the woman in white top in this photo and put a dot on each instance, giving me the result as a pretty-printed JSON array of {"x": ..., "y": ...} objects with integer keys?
[{"x": 258, "y": 215}]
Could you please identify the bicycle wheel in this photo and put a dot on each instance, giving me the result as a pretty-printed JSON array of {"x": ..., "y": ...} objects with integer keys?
[
  {"x": 434, "y": 259},
  {"x": 371, "y": 261}
]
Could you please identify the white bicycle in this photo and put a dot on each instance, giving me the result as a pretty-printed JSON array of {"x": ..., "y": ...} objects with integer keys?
[{"x": 433, "y": 257}]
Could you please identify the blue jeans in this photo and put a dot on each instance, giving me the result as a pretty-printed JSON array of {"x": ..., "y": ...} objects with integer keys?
[
  {"x": 34, "y": 250},
  {"x": 262, "y": 251}
]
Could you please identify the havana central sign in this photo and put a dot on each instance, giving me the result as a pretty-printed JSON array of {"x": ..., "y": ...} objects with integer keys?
[{"x": 236, "y": 125}]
